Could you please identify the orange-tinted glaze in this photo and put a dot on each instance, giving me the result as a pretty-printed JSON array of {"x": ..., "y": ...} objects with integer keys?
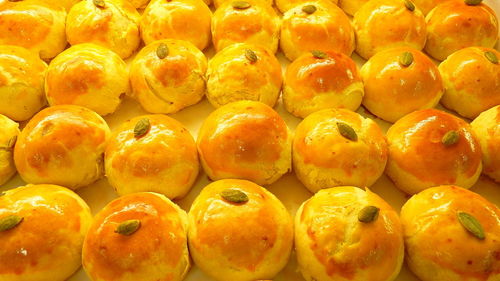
[
  {"x": 239, "y": 25},
  {"x": 23, "y": 65},
  {"x": 96, "y": 28},
  {"x": 172, "y": 71},
  {"x": 493, "y": 145}
]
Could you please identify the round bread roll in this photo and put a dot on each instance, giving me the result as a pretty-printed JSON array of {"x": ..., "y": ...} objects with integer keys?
[
  {"x": 42, "y": 228},
  {"x": 62, "y": 145},
  {"x": 385, "y": 24},
  {"x": 243, "y": 72},
  {"x": 285, "y": 5},
  {"x": 487, "y": 129},
  {"x": 113, "y": 24},
  {"x": 168, "y": 75},
  {"x": 454, "y": 25},
  {"x": 239, "y": 231},
  {"x": 335, "y": 147},
  {"x": 347, "y": 234},
  {"x": 316, "y": 25},
  {"x": 152, "y": 153},
  {"x": 439, "y": 244},
  {"x": 141, "y": 236},
  {"x": 320, "y": 80},
  {"x": 431, "y": 147},
  {"x": 399, "y": 81},
  {"x": 87, "y": 75},
  {"x": 350, "y": 7},
  {"x": 218, "y": 3},
  {"x": 66, "y": 4},
  {"x": 247, "y": 140},
  {"x": 22, "y": 74},
  {"x": 9, "y": 130},
  {"x": 177, "y": 19},
  {"x": 425, "y": 6},
  {"x": 472, "y": 81}
]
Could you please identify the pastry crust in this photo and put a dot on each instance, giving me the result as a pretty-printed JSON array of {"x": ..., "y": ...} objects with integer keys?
[
  {"x": 350, "y": 7},
  {"x": 8, "y": 136},
  {"x": 487, "y": 129},
  {"x": 140, "y": 4},
  {"x": 66, "y": 4},
  {"x": 285, "y": 5},
  {"x": 219, "y": 3},
  {"x": 425, "y": 6}
]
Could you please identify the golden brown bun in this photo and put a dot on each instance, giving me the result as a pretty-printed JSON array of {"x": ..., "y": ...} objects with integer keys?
[
  {"x": 438, "y": 246},
  {"x": 247, "y": 140},
  {"x": 218, "y": 3},
  {"x": 21, "y": 82},
  {"x": 169, "y": 84},
  {"x": 350, "y": 7},
  {"x": 487, "y": 129},
  {"x": 472, "y": 82},
  {"x": 418, "y": 158},
  {"x": 232, "y": 76},
  {"x": 327, "y": 29},
  {"x": 114, "y": 26},
  {"x": 425, "y": 6},
  {"x": 285, "y": 5},
  {"x": 66, "y": 4},
  {"x": 385, "y": 24},
  {"x": 177, "y": 19},
  {"x": 87, "y": 75},
  {"x": 239, "y": 241},
  {"x": 454, "y": 25},
  {"x": 62, "y": 145},
  {"x": 393, "y": 90},
  {"x": 47, "y": 243},
  {"x": 139, "y": 4},
  {"x": 9, "y": 130},
  {"x": 333, "y": 245},
  {"x": 313, "y": 83},
  {"x": 157, "y": 250}
]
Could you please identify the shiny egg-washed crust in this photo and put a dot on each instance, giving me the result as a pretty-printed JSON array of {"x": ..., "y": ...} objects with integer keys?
[
  {"x": 66, "y": 4},
  {"x": 393, "y": 90},
  {"x": 62, "y": 145},
  {"x": 156, "y": 251},
  {"x": 114, "y": 26},
  {"x": 350, "y": 7},
  {"x": 9, "y": 130},
  {"x": 231, "y": 76},
  {"x": 47, "y": 244},
  {"x": 327, "y": 29},
  {"x": 487, "y": 129},
  {"x": 454, "y": 25},
  {"x": 285, "y": 5},
  {"x": 87, "y": 75},
  {"x": 438, "y": 247},
  {"x": 418, "y": 159},
  {"x": 385, "y": 24},
  {"x": 22, "y": 75},
  {"x": 139, "y": 4},
  {"x": 246, "y": 241},
  {"x": 472, "y": 82},
  {"x": 425, "y": 6},
  {"x": 219, "y": 3},
  {"x": 164, "y": 160},
  {"x": 332, "y": 244},
  {"x": 323, "y": 158},
  {"x": 170, "y": 84},
  {"x": 247, "y": 140},
  {"x": 313, "y": 84}
]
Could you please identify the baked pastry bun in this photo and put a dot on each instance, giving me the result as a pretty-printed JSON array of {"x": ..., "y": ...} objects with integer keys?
[
  {"x": 345, "y": 233},
  {"x": 218, "y": 3},
  {"x": 21, "y": 82},
  {"x": 335, "y": 147},
  {"x": 113, "y": 24},
  {"x": 243, "y": 72},
  {"x": 152, "y": 153},
  {"x": 239, "y": 231},
  {"x": 9, "y": 130},
  {"x": 168, "y": 75},
  {"x": 319, "y": 80},
  {"x": 42, "y": 228},
  {"x": 472, "y": 80},
  {"x": 451, "y": 234},
  {"x": 425, "y": 6},
  {"x": 140, "y": 4},
  {"x": 177, "y": 19},
  {"x": 399, "y": 81},
  {"x": 87, "y": 75},
  {"x": 431, "y": 147},
  {"x": 350, "y": 7},
  {"x": 455, "y": 24},
  {"x": 285, "y": 5},
  {"x": 316, "y": 25},
  {"x": 66, "y": 4},
  {"x": 140, "y": 236},
  {"x": 487, "y": 129},
  {"x": 62, "y": 145},
  {"x": 245, "y": 140},
  {"x": 385, "y": 24}
]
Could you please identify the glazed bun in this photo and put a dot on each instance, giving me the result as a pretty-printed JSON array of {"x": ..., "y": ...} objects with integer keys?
[
  {"x": 140, "y": 236},
  {"x": 239, "y": 231},
  {"x": 87, "y": 75},
  {"x": 439, "y": 245},
  {"x": 139, "y": 4},
  {"x": 66, "y": 4},
  {"x": 320, "y": 80},
  {"x": 218, "y": 3},
  {"x": 425, "y": 6},
  {"x": 62, "y": 145},
  {"x": 431, "y": 147},
  {"x": 316, "y": 25},
  {"x": 43, "y": 228},
  {"x": 247, "y": 140},
  {"x": 168, "y": 75},
  {"x": 350, "y": 7},
  {"x": 399, "y": 81},
  {"x": 285, "y": 5},
  {"x": 487, "y": 129},
  {"x": 9, "y": 130},
  {"x": 472, "y": 81},
  {"x": 345, "y": 233},
  {"x": 243, "y": 72}
]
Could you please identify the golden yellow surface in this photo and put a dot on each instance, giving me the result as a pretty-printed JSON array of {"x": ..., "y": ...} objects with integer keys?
[
  {"x": 285, "y": 5},
  {"x": 487, "y": 129},
  {"x": 8, "y": 137}
]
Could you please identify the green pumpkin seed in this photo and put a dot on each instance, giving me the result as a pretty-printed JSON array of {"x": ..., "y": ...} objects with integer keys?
[
  {"x": 10, "y": 222},
  {"x": 450, "y": 138},
  {"x": 409, "y": 5},
  {"x": 492, "y": 57},
  {"x": 128, "y": 227},
  {"x": 309, "y": 9},
  {"x": 241, "y": 5},
  {"x": 250, "y": 55},
  {"x": 368, "y": 214},
  {"x": 471, "y": 224},
  {"x": 234, "y": 195},
  {"x": 319, "y": 54},
  {"x": 406, "y": 59},
  {"x": 473, "y": 2},
  {"x": 347, "y": 131},
  {"x": 142, "y": 127},
  {"x": 99, "y": 3},
  {"x": 162, "y": 51}
]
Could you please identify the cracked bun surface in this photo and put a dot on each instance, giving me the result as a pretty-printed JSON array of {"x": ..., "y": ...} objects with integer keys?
[{"x": 487, "y": 129}]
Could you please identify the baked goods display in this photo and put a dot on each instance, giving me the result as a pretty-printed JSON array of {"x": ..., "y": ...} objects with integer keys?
[
  {"x": 9, "y": 130},
  {"x": 487, "y": 129}
]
